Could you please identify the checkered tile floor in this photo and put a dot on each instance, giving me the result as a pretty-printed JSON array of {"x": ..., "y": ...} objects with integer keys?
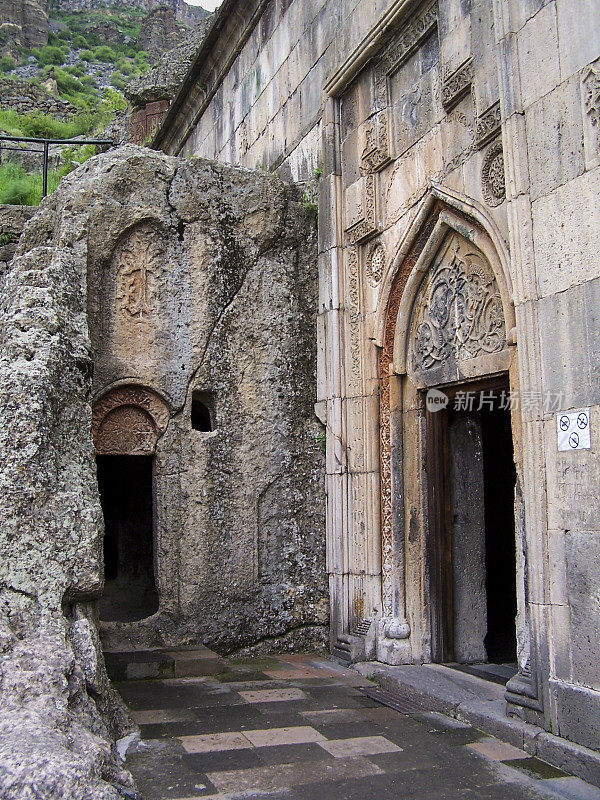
[{"x": 299, "y": 728}]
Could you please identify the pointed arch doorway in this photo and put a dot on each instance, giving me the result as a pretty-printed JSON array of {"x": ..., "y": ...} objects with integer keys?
[{"x": 448, "y": 470}]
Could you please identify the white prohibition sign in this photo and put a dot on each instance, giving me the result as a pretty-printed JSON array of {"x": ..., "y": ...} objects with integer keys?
[{"x": 573, "y": 430}]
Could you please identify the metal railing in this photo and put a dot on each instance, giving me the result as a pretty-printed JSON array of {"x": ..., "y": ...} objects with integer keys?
[{"x": 46, "y": 149}]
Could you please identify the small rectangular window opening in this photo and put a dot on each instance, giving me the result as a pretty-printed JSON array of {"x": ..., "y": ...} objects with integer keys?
[{"x": 203, "y": 412}]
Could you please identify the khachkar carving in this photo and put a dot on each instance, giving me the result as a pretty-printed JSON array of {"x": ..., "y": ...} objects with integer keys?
[
  {"x": 591, "y": 89},
  {"x": 375, "y": 264},
  {"x": 367, "y": 226},
  {"x": 456, "y": 85},
  {"x": 488, "y": 125},
  {"x": 138, "y": 260},
  {"x": 128, "y": 420},
  {"x": 459, "y": 311},
  {"x": 493, "y": 181}
]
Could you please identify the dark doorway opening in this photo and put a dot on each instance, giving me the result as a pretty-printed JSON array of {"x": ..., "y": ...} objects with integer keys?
[
  {"x": 471, "y": 476},
  {"x": 125, "y": 484}
]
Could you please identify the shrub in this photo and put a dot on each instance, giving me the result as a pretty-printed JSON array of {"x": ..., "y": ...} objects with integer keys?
[
  {"x": 51, "y": 55},
  {"x": 113, "y": 101},
  {"x": 105, "y": 53},
  {"x": 126, "y": 67},
  {"x": 80, "y": 42},
  {"x": 86, "y": 55},
  {"x": 16, "y": 193},
  {"x": 116, "y": 80},
  {"x": 7, "y": 63}
]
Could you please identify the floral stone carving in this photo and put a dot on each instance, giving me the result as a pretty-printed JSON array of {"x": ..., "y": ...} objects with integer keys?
[
  {"x": 493, "y": 181},
  {"x": 128, "y": 420},
  {"x": 458, "y": 314}
]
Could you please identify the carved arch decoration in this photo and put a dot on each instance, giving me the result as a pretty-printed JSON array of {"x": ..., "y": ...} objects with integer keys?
[
  {"x": 128, "y": 420},
  {"x": 475, "y": 297}
]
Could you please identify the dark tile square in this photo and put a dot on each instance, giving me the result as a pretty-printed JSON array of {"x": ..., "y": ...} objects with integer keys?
[
  {"x": 221, "y": 761},
  {"x": 228, "y": 718},
  {"x": 236, "y": 677},
  {"x": 293, "y": 753},
  {"x": 536, "y": 768},
  {"x": 349, "y": 730}
]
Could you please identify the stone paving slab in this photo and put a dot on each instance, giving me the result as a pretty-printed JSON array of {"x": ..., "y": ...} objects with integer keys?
[{"x": 318, "y": 740}]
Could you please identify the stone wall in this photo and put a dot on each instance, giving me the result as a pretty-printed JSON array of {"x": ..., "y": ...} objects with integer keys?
[
  {"x": 27, "y": 98},
  {"x": 227, "y": 264},
  {"x": 59, "y": 716},
  {"x": 424, "y": 117}
]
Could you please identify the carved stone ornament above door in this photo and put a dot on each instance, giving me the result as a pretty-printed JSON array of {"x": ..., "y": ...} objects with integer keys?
[
  {"x": 128, "y": 420},
  {"x": 458, "y": 317}
]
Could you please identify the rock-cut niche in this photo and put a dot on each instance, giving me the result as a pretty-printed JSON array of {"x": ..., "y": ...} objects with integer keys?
[{"x": 127, "y": 422}]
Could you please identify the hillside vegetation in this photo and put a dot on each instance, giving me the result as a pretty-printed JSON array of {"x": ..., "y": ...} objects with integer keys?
[{"x": 87, "y": 63}]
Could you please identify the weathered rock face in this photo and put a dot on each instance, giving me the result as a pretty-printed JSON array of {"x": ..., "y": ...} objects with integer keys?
[
  {"x": 159, "y": 31},
  {"x": 183, "y": 12},
  {"x": 58, "y": 713},
  {"x": 164, "y": 78},
  {"x": 202, "y": 283},
  {"x": 23, "y": 23}
]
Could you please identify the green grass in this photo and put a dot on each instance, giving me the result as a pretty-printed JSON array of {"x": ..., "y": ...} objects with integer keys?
[
  {"x": 44, "y": 126},
  {"x": 20, "y": 188}
]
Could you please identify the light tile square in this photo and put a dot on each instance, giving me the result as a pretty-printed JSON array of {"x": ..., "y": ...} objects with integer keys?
[
  {"x": 211, "y": 742},
  {"x": 273, "y": 695},
  {"x": 497, "y": 750},
  {"x": 157, "y": 716},
  {"x": 276, "y": 736},
  {"x": 360, "y": 746}
]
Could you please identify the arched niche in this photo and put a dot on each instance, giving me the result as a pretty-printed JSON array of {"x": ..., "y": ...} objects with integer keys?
[
  {"x": 126, "y": 424},
  {"x": 128, "y": 420}
]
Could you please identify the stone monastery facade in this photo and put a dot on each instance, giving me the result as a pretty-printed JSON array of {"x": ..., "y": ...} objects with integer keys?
[
  {"x": 321, "y": 368},
  {"x": 455, "y": 145}
]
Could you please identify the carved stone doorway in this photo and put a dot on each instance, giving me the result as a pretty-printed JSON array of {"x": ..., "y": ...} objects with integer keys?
[
  {"x": 472, "y": 555},
  {"x": 125, "y": 484}
]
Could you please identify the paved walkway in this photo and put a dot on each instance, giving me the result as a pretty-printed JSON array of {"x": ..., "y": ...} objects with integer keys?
[{"x": 302, "y": 728}]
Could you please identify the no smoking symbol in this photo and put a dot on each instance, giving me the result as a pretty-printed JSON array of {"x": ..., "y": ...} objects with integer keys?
[
  {"x": 574, "y": 440},
  {"x": 564, "y": 423},
  {"x": 582, "y": 421}
]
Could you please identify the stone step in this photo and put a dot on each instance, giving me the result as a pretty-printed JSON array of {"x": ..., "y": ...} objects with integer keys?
[{"x": 181, "y": 662}]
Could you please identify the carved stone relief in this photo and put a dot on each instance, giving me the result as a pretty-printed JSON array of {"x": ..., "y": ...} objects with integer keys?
[
  {"x": 375, "y": 264},
  {"x": 493, "y": 181},
  {"x": 138, "y": 260},
  {"x": 488, "y": 125},
  {"x": 591, "y": 86},
  {"x": 354, "y": 311},
  {"x": 128, "y": 421},
  {"x": 456, "y": 85},
  {"x": 366, "y": 226},
  {"x": 458, "y": 313}
]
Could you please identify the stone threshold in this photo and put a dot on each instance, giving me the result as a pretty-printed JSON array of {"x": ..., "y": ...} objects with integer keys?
[
  {"x": 480, "y": 703},
  {"x": 162, "y": 662}
]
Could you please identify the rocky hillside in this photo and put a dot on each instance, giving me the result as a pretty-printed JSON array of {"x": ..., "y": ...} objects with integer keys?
[{"x": 66, "y": 68}]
